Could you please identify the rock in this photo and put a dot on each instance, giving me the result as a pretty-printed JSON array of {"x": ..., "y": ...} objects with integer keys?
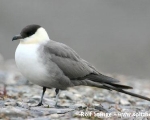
[
  {"x": 69, "y": 95},
  {"x": 80, "y": 105},
  {"x": 54, "y": 116},
  {"x": 144, "y": 103},
  {"x": 22, "y": 104},
  {"x": 36, "y": 112},
  {"x": 124, "y": 102},
  {"x": 13, "y": 112},
  {"x": 2, "y": 104},
  {"x": 10, "y": 103},
  {"x": 51, "y": 110},
  {"x": 98, "y": 98},
  {"x": 40, "y": 118},
  {"x": 50, "y": 102}
]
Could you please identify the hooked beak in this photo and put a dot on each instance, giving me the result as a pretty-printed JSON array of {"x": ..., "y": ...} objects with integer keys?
[{"x": 17, "y": 37}]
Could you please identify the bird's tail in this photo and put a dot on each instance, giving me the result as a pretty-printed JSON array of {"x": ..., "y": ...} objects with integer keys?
[
  {"x": 119, "y": 88},
  {"x": 109, "y": 83}
]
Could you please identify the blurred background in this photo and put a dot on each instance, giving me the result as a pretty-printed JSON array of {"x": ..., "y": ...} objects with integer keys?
[{"x": 113, "y": 35}]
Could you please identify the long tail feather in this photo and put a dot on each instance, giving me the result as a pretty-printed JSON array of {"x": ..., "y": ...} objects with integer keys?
[
  {"x": 126, "y": 92},
  {"x": 133, "y": 94},
  {"x": 109, "y": 83}
]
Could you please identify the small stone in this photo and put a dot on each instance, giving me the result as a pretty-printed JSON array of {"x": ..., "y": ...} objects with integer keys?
[
  {"x": 2, "y": 104},
  {"x": 54, "y": 116},
  {"x": 51, "y": 110},
  {"x": 36, "y": 112},
  {"x": 68, "y": 95},
  {"x": 14, "y": 112},
  {"x": 98, "y": 98},
  {"x": 23, "y": 105},
  {"x": 144, "y": 103},
  {"x": 124, "y": 102},
  {"x": 49, "y": 102},
  {"x": 36, "y": 98},
  {"x": 105, "y": 105},
  {"x": 40, "y": 118},
  {"x": 31, "y": 101},
  {"x": 80, "y": 105},
  {"x": 10, "y": 103}
]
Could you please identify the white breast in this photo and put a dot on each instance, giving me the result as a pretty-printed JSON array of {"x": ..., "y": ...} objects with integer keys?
[{"x": 27, "y": 61}]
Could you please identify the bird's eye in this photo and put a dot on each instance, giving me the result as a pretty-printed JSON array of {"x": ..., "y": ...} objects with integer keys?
[{"x": 29, "y": 33}]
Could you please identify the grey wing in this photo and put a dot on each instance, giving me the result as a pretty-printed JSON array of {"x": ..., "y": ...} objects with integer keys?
[
  {"x": 72, "y": 65},
  {"x": 68, "y": 60}
]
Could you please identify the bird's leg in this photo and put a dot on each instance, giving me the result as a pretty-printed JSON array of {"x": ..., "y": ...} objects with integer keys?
[
  {"x": 57, "y": 95},
  {"x": 40, "y": 103}
]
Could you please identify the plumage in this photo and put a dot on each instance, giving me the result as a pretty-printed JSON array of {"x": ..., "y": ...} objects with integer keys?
[
  {"x": 71, "y": 64},
  {"x": 67, "y": 60},
  {"x": 51, "y": 64}
]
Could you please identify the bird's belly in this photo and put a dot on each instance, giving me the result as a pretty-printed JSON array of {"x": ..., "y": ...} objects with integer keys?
[{"x": 28, "y": 62}]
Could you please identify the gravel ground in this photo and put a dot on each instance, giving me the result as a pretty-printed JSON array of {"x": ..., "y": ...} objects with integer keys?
[{"x": 18, "y": 98}]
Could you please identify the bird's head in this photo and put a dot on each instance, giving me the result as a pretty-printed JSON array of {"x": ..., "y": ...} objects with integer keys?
[{"x": 32, "y": 34}]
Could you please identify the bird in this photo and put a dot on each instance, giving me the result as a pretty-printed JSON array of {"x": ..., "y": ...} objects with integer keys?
[{"x": 52, "y": 64}]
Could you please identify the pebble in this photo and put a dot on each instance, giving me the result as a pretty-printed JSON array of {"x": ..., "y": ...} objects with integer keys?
[
  {"x": 10, "y": 103},
  {"x": 98, "y": 98},
  {"x": 124, "y": 102},
  {"x": 40, "y": 118},
  {"x": 144, "y": 103},
  {"x": 13, "y": 112}
]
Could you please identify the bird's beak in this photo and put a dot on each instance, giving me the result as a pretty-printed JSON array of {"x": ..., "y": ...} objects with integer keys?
[{"x": 17, "y": 37}]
